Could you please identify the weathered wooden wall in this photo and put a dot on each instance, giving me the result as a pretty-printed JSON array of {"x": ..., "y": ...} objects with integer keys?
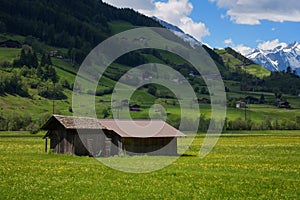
[
  {"x": 107, "y": 143},
  {"x": 89, "y": 142},
  {"x": 61, "y": 142},
  {"x": 150, "y": 146}
]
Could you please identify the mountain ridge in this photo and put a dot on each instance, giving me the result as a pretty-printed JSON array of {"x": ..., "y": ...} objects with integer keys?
[
  {"x": 178, "y": 32},
  {"x": 279, "y": 58}
]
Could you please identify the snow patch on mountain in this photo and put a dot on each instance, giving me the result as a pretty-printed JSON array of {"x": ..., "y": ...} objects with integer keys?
[{"x": 180, "y": 33}]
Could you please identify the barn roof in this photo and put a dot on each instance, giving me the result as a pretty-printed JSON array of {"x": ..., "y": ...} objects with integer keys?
[
  {"x": 71, "y": 122},
  {"x": 141, "y": 128},
  {"x": 124, "y": 128}
]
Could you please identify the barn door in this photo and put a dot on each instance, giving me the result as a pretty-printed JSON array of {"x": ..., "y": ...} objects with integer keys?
[
  {"x": 90, "y": 146},
  {"x": 107, "y": 145}
]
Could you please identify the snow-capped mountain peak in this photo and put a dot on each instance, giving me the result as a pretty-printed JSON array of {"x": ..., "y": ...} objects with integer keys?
[
  {"x": 279, "y": 47},
  {"x": 293, "y": 45},
  {"x": 279, "y": 58}
]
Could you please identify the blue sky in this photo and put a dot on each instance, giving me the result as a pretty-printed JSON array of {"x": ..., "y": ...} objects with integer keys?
[{"x": 241, "y": 24}]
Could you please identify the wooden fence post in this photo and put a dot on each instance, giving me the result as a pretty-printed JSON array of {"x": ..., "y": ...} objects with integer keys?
[{"x": 46, "y": 144}]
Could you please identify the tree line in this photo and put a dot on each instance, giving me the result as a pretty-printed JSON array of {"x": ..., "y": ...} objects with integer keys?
[
  {"x": 78, "y": 25},
  {"x": 21, "y": 122},
  {"x": 187, "y": 124},
  {"x": 28, "y": 72}
]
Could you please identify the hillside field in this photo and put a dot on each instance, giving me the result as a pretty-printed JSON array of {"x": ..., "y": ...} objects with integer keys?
[
  {"x": 253, "y": 165},
  {"x": 37, "y": 106}
]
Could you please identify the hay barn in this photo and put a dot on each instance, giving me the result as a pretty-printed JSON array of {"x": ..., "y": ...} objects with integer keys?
[{"x": 105, "y": 137}]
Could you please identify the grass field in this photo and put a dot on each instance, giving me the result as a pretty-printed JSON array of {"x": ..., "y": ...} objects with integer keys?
[
  {"x": 257, "y": 70},
  {"x": 9, "y": 54},
  {"x": 253, "y": 69},
  {"x": 243, "y": 165}
]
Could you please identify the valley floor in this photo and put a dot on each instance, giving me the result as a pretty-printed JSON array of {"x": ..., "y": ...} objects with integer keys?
[{"x": 254, "y": 165}]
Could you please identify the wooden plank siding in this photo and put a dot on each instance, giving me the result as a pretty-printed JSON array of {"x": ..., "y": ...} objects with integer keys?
[
  {"x": 150, "y": 146},
  {"x": 91, "y": 142}
]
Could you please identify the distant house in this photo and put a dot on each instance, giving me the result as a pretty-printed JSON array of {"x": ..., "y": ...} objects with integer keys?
[
  {"x": 241, "y": 104},
  {"x": 211, "y": 77},
  {"x": 135, "y": 108},
  {"x": 146, "y": 76},
  {"x": 125, "y": 102},
  {"x": 239, "y": 65},
  {"x": 53, "y": 53},
  {"x": 103, "y": 137},
  {"x": 203, "y": 101},
  {"x": 10, "y": 44},
  {"x": 283, "y": 104},
  {"x": 175, "y": 80},
  {"x": 191, "y": 74},
  {"x": 252, "y": 100}
]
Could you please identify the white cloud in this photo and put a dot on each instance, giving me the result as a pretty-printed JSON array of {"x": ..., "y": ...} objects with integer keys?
[
  {"x": 228, "y": 41},
  {"x": 244, "y": 50},
  {"x": 175, "y": 12},
  {"x": 252, "y": 12},
  {"x": 225, "y": 3},
  {"x": 270, "y": 45},
  {"x": 263, "y": 45}
]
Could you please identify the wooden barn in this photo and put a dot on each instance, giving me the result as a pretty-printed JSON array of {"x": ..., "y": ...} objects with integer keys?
[{"x": 105, "y": 137}]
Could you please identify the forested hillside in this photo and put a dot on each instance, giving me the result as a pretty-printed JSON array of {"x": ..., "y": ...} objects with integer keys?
[{"x": 76, "y": 25}]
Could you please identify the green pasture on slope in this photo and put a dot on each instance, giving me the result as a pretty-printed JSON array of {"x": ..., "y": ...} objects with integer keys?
[{"x": 9, "y": 54}]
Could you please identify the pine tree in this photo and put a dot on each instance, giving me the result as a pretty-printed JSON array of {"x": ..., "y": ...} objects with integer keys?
[
  {"x": 28, "y": 57},
  {"x": 262, "y": 99},
  {"x": 40, "y": 72},
  {"x": 34, "y": 61},
  {"x": 43, "y": 60},
  {"x": 51, "y": 73},
  {"x": 22, "y": 58},
  {"x": 48, "y": 60}
]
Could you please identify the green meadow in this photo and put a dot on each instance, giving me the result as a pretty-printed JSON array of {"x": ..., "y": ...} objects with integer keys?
[
  {"x": 253, "y": 69},
  {"x": 243, "y": 165},
  {"x": 9, "y": 54}
]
